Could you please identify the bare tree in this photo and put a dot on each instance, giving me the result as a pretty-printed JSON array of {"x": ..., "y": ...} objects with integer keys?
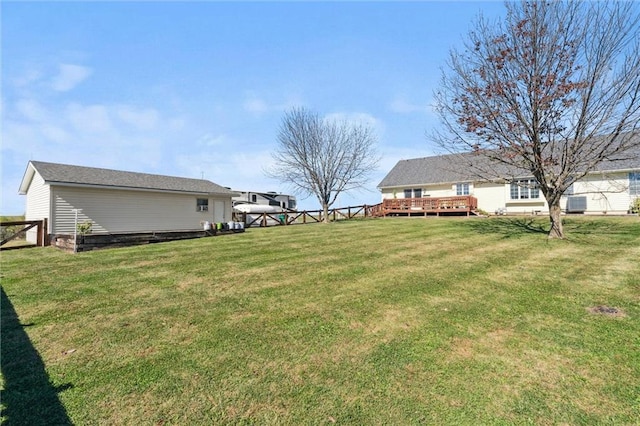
[
  {"x": 323, "y": 158},
  {"x": 551, "y": 91}
]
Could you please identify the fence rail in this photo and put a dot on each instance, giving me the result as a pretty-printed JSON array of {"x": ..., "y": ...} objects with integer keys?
[
  {"x": 288, "y": 217},
  {"x": 41, "y": 233}
]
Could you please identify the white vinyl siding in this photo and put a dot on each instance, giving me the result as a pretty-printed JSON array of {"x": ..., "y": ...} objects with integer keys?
[
  {"x": 115, "y": 211},
  {"x": 606, "y": 193},
  {"x": 38, "y": 202}
]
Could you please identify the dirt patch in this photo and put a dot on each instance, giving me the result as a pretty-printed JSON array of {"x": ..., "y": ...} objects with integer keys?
[{"x": 607, "y": 310}]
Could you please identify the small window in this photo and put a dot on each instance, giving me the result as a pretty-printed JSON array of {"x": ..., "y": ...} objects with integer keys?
[
  {"x": 254, "y": 198},
  {"x": 413, "y": 193},
  {"x": 634, "y": 183},
  {"x": 202, "y": 205},
  {"x": 462, "y": 189}
]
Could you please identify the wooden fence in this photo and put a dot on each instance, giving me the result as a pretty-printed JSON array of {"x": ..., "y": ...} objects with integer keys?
[
  {"x": 287, "y": 217},
  {"x": 41, "y": 233}
]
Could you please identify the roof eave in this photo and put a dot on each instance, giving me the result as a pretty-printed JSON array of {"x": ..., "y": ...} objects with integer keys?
[
  {"x": 133, "y": 188},
  {"x": 29, "y": 173}
]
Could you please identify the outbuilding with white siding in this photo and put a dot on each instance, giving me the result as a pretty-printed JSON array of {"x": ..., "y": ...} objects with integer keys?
[{"x": 114, "y": 201}]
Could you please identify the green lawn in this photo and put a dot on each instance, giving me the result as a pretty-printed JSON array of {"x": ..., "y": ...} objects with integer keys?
[{"x": 388, "y": 321}]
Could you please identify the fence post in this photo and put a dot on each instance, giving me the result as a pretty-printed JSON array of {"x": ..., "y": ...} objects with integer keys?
[
  {"x": 45, "y": 232},
  {"x": 39, "y": 235}
]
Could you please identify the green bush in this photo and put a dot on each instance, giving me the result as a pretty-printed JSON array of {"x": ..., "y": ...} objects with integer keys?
[{"x": 84, "y": 228}]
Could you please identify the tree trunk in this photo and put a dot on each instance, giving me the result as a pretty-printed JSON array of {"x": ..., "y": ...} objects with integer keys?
[
  {"x": 556, "y": 230},
  {"x": 325, "y": 212}
]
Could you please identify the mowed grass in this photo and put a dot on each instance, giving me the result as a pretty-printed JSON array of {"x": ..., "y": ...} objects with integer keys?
[{"x": 389, "y": 321}]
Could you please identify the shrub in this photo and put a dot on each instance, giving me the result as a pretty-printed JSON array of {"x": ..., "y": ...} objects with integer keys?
[{"x": 84, "y": 228}]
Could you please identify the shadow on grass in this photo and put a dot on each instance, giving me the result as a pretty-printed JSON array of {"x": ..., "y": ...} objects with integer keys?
[
  {"x": 509, "y": 227},
  {"x": 28, "y": 397},
  {"x": 600, "y": 225}
]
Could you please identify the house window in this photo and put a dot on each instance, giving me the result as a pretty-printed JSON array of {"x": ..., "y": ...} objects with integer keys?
[
  {"x": 634, "y": 183},
  {"x": 462, "y": 189},
  {"x": 413, "y": 193},
  {"x": 524, "y": 189},
  {"x": 202, "y": 205}
]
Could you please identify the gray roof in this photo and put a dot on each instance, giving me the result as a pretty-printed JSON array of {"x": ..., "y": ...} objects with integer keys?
[
  {"x": 452, "y": 168},
  {"x": 54, "y": 173},
  {"x": 426, "y": 170}
]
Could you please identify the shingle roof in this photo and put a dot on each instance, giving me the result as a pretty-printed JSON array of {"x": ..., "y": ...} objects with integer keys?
[
  {"x": 452, "y": 168},
  {"x": 432, "y": 170},
  {"x": 78, "y": 175}
]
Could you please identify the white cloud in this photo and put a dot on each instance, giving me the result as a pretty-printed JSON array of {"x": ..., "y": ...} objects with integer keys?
[
  {"x": 209, "y": 140},
  {"x": 255, "y": 105},
  {"x": 69, "y": 76},
  {"x": 258, "y": 105},
  {"x": 89, "y": 118},
  {"x": 237, "y": 170},
  {"x": 28, "y": 77},
  {"x": 402, "y": 106},
  {"x": 31, "y": 109},
  {"x": 141, "y": 118},
  {"x": 55, "y": 133}
]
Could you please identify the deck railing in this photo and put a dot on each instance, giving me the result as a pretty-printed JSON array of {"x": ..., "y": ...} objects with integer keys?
[{"x": 458, "y": 204}]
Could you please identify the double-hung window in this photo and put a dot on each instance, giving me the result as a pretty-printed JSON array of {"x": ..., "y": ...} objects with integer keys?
[
  {"x": 634, "y": 183},
  {"x": 202, "y": 204},
  {"x": 462, "y": 189},
  {"x": 524, "y": 189},
  {"x": 413, "y": 193}
]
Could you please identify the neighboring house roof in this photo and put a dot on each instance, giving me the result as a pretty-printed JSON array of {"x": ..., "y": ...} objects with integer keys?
[
  {"x": 452, "y": 168},
  {"x": 64, "y": 174}
]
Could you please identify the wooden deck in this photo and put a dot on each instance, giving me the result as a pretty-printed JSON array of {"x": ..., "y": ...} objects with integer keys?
[{"x": 459, "y": 205}]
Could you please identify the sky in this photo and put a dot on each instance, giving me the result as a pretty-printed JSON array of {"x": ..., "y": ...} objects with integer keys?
[{"x": 199, "y": 89}]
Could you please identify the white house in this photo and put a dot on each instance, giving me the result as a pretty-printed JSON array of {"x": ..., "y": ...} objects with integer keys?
[
  {"x": 611, "y": 188},
  {"x": 119, "y": 202}
]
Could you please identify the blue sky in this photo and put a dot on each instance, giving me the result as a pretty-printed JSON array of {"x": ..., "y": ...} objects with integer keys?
[{"x": 198, "y": 89}]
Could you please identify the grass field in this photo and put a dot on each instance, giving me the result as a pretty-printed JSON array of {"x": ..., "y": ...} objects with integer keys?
[{"x": 388, "y": 321}]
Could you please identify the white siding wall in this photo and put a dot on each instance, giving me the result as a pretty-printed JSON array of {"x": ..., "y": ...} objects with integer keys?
[
  {"x": 130, "y": 211},
  {"x": 605, "y": 193},
  {"x": 38, "y": 202},
  {"x": 491, "y": 196}
]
